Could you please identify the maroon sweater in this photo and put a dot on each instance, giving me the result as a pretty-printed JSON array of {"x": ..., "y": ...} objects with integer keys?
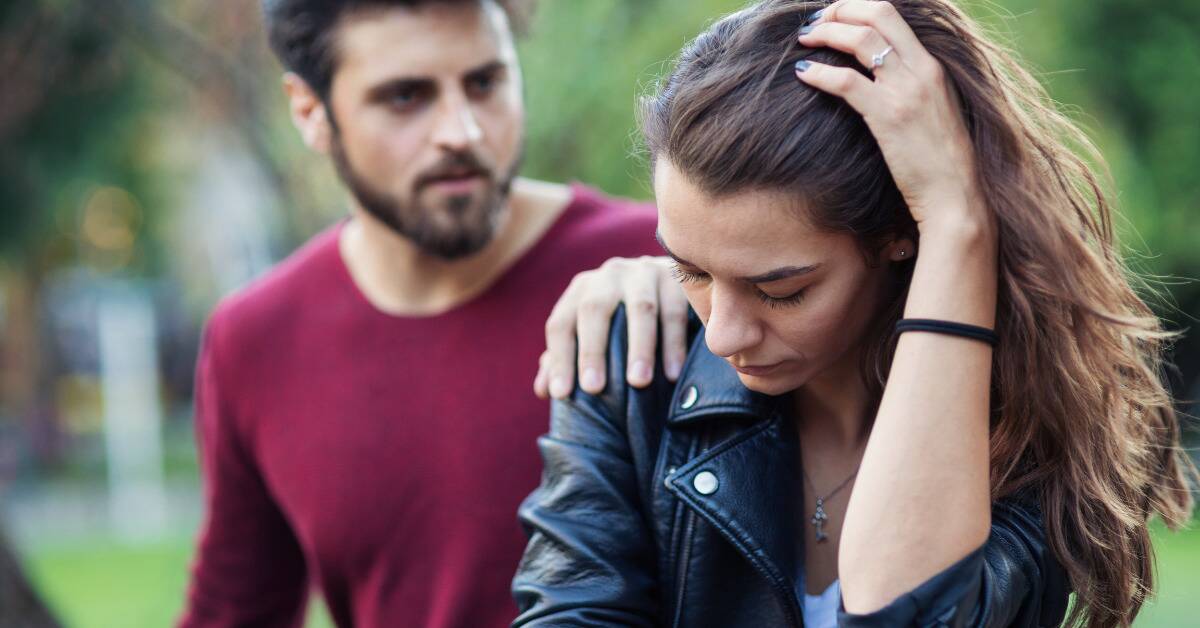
[{"x": 379, "y": 458}]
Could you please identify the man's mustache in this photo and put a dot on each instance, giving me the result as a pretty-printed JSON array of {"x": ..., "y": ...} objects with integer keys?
[{"x": 455, "y": 166}]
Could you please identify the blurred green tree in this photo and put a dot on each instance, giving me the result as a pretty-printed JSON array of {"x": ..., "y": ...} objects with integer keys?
[
  {"x": 1143, "y": 77},
  {"x": 68, "y": 112}
]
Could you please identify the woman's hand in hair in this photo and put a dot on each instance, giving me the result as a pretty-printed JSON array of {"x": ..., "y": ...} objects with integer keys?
[
  {"x": 909, "y": 105},
  {"x": 927, "y": 454}
]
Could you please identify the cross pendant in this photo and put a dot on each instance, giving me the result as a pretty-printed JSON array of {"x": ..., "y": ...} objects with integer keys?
[{"x": 819, "y": 519}]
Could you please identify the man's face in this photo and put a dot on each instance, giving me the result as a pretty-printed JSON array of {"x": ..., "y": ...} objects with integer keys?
[{"x": 429, "y": 120}]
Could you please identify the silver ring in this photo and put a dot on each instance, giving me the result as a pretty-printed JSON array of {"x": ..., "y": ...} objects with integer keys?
[{"x": 877, "y": 60}]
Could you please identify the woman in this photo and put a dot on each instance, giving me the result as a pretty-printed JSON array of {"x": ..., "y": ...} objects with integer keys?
[{"x": 924, "y": 391}]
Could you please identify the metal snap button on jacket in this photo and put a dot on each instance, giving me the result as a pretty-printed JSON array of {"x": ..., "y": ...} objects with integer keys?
[
  {"x": 705, "y": 483},
  {"x": 690, "y": 396}
]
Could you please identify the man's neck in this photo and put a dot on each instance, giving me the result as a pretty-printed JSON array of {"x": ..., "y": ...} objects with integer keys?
[{"x": 399, "y": 278}]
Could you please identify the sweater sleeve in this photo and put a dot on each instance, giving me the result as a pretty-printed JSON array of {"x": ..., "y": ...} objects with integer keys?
[
  {"x": 249, "y": 568},
  {"x": 1013, "y": 579}
]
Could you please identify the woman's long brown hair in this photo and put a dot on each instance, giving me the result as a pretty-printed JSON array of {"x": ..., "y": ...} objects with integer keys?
[{"x": 1080, "y": 414}]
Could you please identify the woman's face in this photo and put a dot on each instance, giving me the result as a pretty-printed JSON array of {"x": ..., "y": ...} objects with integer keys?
[{"x": 782, "y": 301}]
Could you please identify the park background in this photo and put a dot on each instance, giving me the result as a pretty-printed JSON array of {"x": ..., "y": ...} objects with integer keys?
[{"x": 147, "y": 166}]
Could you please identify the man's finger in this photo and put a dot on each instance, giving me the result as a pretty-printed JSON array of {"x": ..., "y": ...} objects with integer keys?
[
  {"x": 560, "y": 349},
  {"x": 592, "y": 320},
  {"x": 541, "y": 382},
  {"x": 641, "y": 314},
  {"x": 673, "y": 309}
]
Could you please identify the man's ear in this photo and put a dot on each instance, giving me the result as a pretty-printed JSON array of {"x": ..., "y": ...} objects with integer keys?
[{"x": 308, "y": 113}]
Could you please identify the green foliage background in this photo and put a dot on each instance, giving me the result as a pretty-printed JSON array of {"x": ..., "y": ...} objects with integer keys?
[{"x": 1128, "y": 72}]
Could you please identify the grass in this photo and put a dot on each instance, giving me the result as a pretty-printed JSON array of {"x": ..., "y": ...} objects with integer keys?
[
  {"x": 105, "y": 584},
  {"x": 1178, "y": 599}
]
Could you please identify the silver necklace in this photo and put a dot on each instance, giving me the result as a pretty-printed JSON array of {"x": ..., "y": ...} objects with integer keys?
[{"x": 819, "y": 517}]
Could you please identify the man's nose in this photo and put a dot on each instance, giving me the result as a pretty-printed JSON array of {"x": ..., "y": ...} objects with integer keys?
[
  {"x": 732, "y": 327},
  {"x": 456, "y": 128}
]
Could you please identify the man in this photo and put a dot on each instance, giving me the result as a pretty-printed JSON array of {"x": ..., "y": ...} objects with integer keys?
[{"x": 364, "y": 414}]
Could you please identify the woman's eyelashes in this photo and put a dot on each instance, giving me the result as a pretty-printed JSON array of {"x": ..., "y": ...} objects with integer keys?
[
  {"x": 791, "y": 299},
  {"x": 684, "y": 275}
]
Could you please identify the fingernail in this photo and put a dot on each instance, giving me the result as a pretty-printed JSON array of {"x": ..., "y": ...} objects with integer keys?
[
  {"x": 560, "y": 387},
  {"x": 804, "y": 30},
  {"x": 803, "y": 65},
  {"x": 591, "y": 380},
  {"x": 814, "y": 17},
  {"x": 640, "y": 371},
  {"x": 672, "y": 367}
]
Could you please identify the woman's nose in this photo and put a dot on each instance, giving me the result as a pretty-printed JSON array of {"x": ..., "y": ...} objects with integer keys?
[{"x": 731, "y": 327}]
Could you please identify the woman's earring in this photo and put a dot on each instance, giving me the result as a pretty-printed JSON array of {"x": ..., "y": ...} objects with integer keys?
[{"x": 903, "y": 253}]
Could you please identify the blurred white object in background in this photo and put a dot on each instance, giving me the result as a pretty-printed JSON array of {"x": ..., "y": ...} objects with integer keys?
[
  {"x": 132, "y": 413},
  {"x": 229, "y": 211}
]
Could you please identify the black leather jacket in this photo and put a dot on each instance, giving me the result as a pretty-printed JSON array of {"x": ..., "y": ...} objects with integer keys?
[{"x": 620, "y": 535}]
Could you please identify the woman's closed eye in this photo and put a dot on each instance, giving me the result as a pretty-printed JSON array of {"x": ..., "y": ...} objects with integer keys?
[
  {"x": 784, "y": 301},
  {"x": 686, "y": 275}
]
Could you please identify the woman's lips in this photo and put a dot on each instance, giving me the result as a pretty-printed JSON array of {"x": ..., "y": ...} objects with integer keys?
[{"x": 757, "y": 371}]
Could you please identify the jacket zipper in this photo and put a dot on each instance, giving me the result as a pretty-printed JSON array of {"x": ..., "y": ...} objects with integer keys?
[
  {"x": 689, "y": 529},
  {"x": 681, "y": 583}
]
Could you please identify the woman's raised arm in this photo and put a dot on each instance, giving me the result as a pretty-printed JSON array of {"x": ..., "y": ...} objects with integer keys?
[{"x": 921, "y": 501}]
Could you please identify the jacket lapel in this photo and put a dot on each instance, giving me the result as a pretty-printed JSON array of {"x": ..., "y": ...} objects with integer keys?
[{"x": 745, "y": 485}]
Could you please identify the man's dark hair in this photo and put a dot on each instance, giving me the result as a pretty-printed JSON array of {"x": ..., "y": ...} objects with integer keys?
[{"x": 301, "y": 32}]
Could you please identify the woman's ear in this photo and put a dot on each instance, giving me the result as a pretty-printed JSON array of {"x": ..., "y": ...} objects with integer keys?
[
  {"x": 308, "y": 113},
  {"x": 901, "y": 249}
]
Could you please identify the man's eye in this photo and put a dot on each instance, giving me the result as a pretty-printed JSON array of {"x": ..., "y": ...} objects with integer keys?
[
  {"x": 407, "y": 98},
  {"x": 481, "y": 85}
]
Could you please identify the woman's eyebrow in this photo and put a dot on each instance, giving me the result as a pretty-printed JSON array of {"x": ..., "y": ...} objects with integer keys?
[
  {"x": 658, "y": 237},
  {"x": 781, "y": 273},
  {"x": 784, "y": 272}
]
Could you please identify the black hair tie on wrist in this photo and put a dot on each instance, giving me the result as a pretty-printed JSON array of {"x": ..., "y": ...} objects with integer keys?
[{"x": 974, "y": 332}]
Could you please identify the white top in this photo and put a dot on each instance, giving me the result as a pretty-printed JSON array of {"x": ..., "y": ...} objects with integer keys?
[{"x": 820, "y": 611}]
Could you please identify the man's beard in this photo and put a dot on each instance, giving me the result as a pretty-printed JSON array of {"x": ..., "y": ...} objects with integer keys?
[{"x": 456, "y": 228}]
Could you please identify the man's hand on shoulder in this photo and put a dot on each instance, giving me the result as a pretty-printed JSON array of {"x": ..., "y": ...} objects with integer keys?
[{"x": 582, "y": 315}]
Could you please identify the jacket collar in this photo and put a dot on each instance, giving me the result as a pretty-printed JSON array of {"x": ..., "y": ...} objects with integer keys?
[
  {"x": 754, "y": 464},
  {"x": 708, "y": 387}
]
